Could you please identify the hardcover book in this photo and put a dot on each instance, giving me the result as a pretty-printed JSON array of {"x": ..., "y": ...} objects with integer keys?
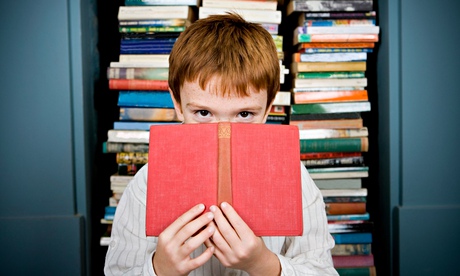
[{"x": 245, "y": 165}]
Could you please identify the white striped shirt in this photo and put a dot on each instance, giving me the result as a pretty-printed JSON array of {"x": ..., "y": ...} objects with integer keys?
[{"x": 130, "y": 251}]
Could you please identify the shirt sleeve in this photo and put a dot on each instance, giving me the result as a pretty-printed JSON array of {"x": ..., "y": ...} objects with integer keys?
[
  {"x": 130, "y": 250},
  {"x": 309, "y": 254}
]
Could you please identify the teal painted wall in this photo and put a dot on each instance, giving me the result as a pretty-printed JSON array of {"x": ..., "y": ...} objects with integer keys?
[
  {"x": 418, "y": 74},
  {"x": 45, "y": 106}
]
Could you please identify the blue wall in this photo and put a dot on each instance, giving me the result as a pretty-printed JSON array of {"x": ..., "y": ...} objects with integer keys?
[
  {"x": 419, "y": 127},
  {"x": 44, "y": 144}
]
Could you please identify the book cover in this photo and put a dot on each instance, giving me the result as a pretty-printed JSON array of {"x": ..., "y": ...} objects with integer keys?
[
  {"x": 297, "y": 67},
  {"x": 353, "y": 260},
  {"x": 154, "y": 99},
  {"x": 134, "y": 84},
  {"x": 212, "y": 163}
]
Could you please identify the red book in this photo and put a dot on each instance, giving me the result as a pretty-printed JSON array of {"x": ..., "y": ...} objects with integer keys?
[
  {"x": 353, "y": 261},
  {"x": 133, "y": 84},
  {"x": 341, "y": 208},
  {"x": 254, "y": 167}
]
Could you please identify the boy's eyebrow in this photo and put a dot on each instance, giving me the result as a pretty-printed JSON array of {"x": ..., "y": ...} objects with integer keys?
[{"x": 244, "y": 108}]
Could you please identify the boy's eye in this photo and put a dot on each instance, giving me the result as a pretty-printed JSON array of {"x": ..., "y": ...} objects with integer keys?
[
  {"x": 203, "y": 113},
  {"x": 245, "y": 114}
]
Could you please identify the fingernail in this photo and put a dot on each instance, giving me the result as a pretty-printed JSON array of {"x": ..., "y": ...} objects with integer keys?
[
  {"x": 211, "y": 229},
  {"x": 213, "y": 208},
  {"x": 223, "y": 205},
  {"x": 210, "y": 215},
  {"x": 201, "y": 207}
]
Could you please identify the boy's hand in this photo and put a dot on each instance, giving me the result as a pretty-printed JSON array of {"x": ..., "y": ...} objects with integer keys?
[
  {"x": 237, "y": 247},
  {"x": 180, "y": 239}
]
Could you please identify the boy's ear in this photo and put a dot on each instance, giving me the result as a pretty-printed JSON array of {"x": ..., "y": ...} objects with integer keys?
[
  {"x": 267, "y": 111},
  {"x": 177, "y": 107}
]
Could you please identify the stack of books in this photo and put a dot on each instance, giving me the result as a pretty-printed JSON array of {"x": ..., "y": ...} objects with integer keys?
[
  {"x": 148, "y": 29},
  {"x": 331, "y": 40},
  {"x": 267, "y": 14}
]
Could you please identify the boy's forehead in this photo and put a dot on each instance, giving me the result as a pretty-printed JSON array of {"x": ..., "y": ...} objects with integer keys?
[{"x": 214, "y": 87}]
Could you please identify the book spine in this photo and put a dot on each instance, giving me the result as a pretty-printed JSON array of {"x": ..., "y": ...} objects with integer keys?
[
  {"x": 345, "y": 199},
  {"x": 255, "y": 16},
  {"x": 346, "y": 217},
  {"x": 154, "y": 22},
  {"x": 127, "y": 136},
  {"x": 345, "y": 208},
  {"x": 365, "y": 14},
  {"x": 328, "y": 66},
  {"x": 360, "y": 144},
  {"x": 334, "y": 50},
  {"x": 351, "y": 249},
  {"x": 332, "y": 133},
  {"x": 305, "y": 38},
  {"x": 357, "y": 271},
  {"x": 329, "y": 75},
  {"x": 113, "y": 147},
  {"x": 146, "y": 29},
  {"x": 153, "y": 12},
  {"x": 138, "y": 73},
  {"x": 153, "y": 99},
  {"x": 160, "y": 2},
  {"x": 347, "y": 161},
  {"x": 325, "y": 97},
  {"x": 349, "y": 82},
  {"x": 321, "y": 155},
  {"x": 132, "y": 157},
  {"x": 337, "y": 124},
  {"x": 224, "y": 178},
  {"x": 326, "y": 5},
  {"x": 353, "y": 261},
  {"x": 350, "y": 29},
  {"x": 327, "y": 57},
  {"x": 345, "y": 238},
  {"x": 337, "y": 22},
  {"x": 337, "y": 45},
  {"x": 129, "y": 169},
  {"x": 147, "y": 114},
  {"x": 133, "y": 84},
  {"x": 330, "y": 107}
]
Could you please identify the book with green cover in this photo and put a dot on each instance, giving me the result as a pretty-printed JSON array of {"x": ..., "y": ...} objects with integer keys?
[{"x": 358, "y": 144}]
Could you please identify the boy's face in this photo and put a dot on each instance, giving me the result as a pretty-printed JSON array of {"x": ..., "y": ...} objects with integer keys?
[{"x": 207, "y": 106}]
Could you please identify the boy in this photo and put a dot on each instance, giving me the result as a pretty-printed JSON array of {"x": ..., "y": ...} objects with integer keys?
[{"x": 221, "y": 69}]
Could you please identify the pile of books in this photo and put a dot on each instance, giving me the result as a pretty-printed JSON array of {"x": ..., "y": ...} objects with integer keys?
[
  {"x": 329, "y": 91},
  {"x": 148, "y": 29}
]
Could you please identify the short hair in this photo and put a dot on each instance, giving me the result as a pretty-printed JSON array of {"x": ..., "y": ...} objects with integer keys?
[{"x": 241, "y": 54}]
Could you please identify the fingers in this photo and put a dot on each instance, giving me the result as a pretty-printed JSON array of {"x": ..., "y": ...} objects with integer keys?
[
  {"x": 180, "y": 222},
  {"x": 236, "y": 222}
]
